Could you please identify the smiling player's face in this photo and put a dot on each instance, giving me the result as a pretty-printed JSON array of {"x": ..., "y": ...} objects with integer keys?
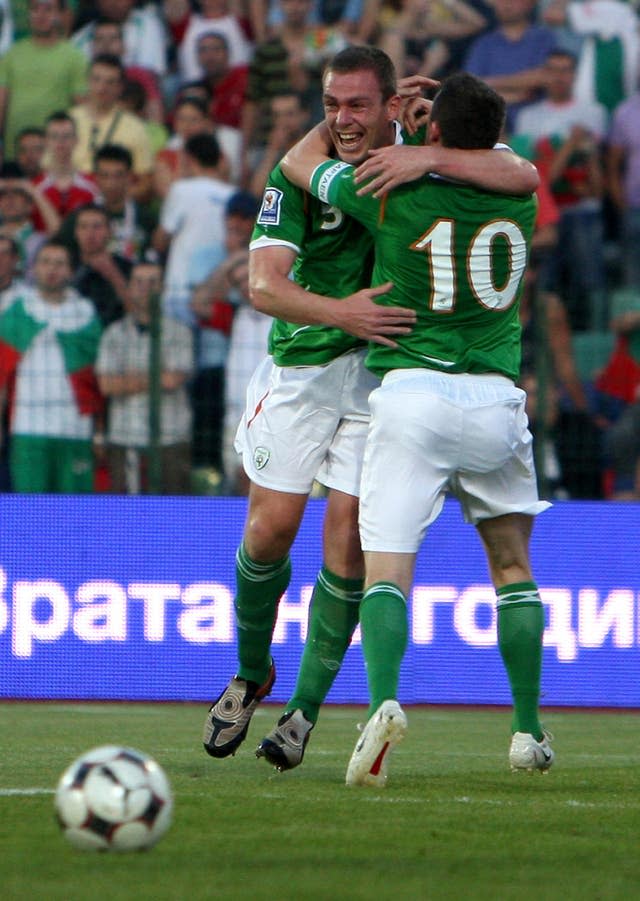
[{"x": 356, "y": 114}]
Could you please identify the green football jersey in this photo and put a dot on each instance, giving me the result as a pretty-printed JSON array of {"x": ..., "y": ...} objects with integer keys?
[
  {"x": 335, "y": 258},
  {"x": 456, "y": 255}
]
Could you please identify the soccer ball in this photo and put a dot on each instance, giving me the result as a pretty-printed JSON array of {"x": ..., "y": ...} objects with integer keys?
[{"x": 113, "y": 799}]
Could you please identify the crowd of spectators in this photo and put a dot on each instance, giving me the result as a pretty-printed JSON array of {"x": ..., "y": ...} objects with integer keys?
[{"x": 137, "y": 138}]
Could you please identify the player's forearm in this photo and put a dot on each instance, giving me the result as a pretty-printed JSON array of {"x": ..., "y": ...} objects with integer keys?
[
  {"x": 525, "y": 80},
  {"x": 282, "y": 298},
  {"x": 494, "y": 170},
  {"x": 122, "y": 385},
  {"x": 48, "y": 212}
]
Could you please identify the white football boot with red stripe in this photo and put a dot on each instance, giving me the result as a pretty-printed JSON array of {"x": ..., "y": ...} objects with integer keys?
[{"x": 370, "y": 759}]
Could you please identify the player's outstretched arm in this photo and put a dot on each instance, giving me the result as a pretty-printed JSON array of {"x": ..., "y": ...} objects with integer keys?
[
  {"x": 274, "y": 293},
  {"x": 498, "y": 170}
]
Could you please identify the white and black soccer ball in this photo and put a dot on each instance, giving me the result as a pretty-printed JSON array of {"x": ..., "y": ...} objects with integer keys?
[{"x": 113, "y": 799}]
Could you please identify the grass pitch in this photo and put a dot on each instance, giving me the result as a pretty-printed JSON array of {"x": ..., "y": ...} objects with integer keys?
[{"x": 453, "y": 822}]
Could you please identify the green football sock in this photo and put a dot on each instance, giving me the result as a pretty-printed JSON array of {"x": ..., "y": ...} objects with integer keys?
[
  {"x": 259, "y": 587},
  {"x": 520, "y": 629},
  {"x": 383, "y": 618},
  {"x": 333, "y": 617}
]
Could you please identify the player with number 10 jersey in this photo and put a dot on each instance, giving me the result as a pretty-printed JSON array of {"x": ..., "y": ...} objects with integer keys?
[{"x": 464, "y": 276}]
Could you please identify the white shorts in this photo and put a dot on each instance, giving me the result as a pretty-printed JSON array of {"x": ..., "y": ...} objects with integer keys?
[
  {"x": 435, "y": 432},
  {"x": 307, "y": 423}
]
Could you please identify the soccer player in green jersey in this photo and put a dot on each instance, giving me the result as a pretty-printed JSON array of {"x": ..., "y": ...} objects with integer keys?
[
  {"x": 447, "y": 416},
  {"x": 306, "y": 418}
]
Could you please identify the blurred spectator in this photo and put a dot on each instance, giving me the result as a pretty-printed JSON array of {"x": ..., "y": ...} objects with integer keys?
[
  {"x": 226, "y": 84},
  {"x": 11, "y": 284},
  {"x": 291, "y": 59},
  {"x": 63, "y": 186},
  {"x": 143, "y": 32},
  {"x": 609, "y": 56},
  {"x": 545, "y": 236},
  {"x": 511, "y": 57},
  {"x": 618, "y": 386},
  {"x": 38, "y": 74},
  {"x": 20, "y": 199},
  {"x": 187, "y": 26},
  {"x": 288, "y": 124},
  {"x": 620, "y": 379},
  {"x": 99, "y": 275},
  {"x": 213, "y": 301},
  {"x": 49, "y": 339},
  {"x": 423, "y": 35},
  {"x": 568, "y": 434},
  {"x": 131, "y": 224},
  {"x": 190, "y": 118},
  {"x": 123, "y": 370},
  {"x": 108, "y": 38},
  {"x": 623, "y": 176},
  {"x": 101, "y": 120},
  {"x": 623, "y": 451},
  {"x": 357, "y": 19},
  {"x": 29, "y": 151},
  {"x": 567, "y": 135},
  {"x": 134, "y": 100},
  {"x": 191, "y": 219}
]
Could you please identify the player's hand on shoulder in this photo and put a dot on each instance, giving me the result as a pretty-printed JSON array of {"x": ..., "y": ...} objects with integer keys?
[{"x": 387, "y": 167}]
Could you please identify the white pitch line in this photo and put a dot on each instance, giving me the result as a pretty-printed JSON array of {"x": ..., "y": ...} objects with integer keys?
[{"x": 10, "y": 792}]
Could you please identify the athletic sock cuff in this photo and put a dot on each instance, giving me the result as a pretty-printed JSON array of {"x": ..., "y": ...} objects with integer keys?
[
  {"x": 386, "y": 588},
  {"x": 519, "y": 593},
  {"x": 345, "y": 589},
  {"x": 259, "y": 572}
]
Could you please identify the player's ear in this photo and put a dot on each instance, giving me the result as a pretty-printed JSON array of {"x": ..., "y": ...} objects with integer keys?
[
  {"x": 433, "y": 132},
  {"x": 393, "y": 107}
]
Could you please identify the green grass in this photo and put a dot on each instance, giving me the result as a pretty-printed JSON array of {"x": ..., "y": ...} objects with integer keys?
[{"x": 453, "y": 822}]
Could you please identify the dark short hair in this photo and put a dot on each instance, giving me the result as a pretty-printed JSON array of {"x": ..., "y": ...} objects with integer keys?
[
  {"x": 204, "y": 148},
  {"x": 110, "y": 60},
  {"x": 13, "y": 245},
  {"x": 60, "y": 116},
  {"x": 365, "y": 57},
  {"x": 114, "y": 153},
  {"x": 90, "y": 208},
  {"x": 61, "y": 4},
  {"x": 30, "y": 130},
  {"x": 55, "y": 243},
  {"x": 103, "y": 20},
  {"x": 213, "y": 34},
  {"x": 12, "y": 170},
  {"x": 567, "y": 54},
  {"x": 470, "y": 113},
  {"x": 191, "y": 100},
  {"x": 135, "y": 93},
  {"x": 193, "y": 89}
]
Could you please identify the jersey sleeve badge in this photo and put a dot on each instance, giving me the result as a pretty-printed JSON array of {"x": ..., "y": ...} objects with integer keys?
[{"x": 271, "y": 205}]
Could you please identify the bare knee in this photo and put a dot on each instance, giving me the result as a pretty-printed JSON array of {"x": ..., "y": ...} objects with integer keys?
[{"x": 272, "y": 523}]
